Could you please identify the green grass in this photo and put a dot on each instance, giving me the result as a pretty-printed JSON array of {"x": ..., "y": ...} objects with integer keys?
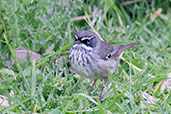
[{"x": 47, "y": 26}]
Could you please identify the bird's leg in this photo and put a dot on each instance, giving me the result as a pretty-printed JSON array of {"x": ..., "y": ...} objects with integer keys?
[
  {"x": 94, "y": 83},
  {"x": 104, "y": 89}
]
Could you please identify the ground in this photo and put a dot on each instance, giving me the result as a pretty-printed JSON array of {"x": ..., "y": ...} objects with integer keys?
[{"x": 43, "y": 30}]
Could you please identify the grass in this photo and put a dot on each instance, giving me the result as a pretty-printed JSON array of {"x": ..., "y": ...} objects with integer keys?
[{"x": 47, "y": 27}]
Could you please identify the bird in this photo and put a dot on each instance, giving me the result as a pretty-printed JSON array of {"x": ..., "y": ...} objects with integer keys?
[{"x": 93, "y": 58}]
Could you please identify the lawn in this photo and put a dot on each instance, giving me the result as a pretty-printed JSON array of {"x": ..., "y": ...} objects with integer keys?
[{"x": 35, "y": 39}]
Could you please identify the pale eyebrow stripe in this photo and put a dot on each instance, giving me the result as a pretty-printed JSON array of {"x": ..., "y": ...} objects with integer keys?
[
  {"x": 76, "y": 37},
  {"x": 89, "y": 38}
]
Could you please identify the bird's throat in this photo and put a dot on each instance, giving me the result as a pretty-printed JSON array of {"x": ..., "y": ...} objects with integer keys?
[{"x": 83, "y": 46}]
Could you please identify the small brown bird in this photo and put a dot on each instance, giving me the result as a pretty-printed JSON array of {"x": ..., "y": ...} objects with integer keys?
[{"x": 94, "y": 58}]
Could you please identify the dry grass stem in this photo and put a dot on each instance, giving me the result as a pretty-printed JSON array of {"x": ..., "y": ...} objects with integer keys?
[
  {"x": 80, "y": 18},
  {"x": 156, "y": 14},
  {"x": 131, "y": 2}
]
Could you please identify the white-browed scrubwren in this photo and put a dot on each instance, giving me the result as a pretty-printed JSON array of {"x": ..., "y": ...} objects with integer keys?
[{"x": 94, "y": 58}]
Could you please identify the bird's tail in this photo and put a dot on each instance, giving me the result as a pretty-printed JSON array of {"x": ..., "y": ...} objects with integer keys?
[{"x": 122, "y": 48}]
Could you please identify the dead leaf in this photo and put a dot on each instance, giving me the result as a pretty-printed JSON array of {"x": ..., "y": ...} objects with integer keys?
[
  {"x": 4, "y": 101},
  {"x": 165, "y": 83},
  {"x": 22, "y": 55},
  {"x": 169, "y": 48}
]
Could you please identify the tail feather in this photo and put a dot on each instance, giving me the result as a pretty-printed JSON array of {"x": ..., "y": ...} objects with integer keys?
[{"x": 122, "y": 48}]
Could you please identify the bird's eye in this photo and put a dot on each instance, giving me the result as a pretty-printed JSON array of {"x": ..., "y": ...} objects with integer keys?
[{"x": 86, "y": 41}]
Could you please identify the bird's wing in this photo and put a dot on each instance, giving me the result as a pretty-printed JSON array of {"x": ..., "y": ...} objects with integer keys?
[{"x": 106, "y": 50}]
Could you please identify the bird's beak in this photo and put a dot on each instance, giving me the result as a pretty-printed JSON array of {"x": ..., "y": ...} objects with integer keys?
[{"x": 77, "y": 42}]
